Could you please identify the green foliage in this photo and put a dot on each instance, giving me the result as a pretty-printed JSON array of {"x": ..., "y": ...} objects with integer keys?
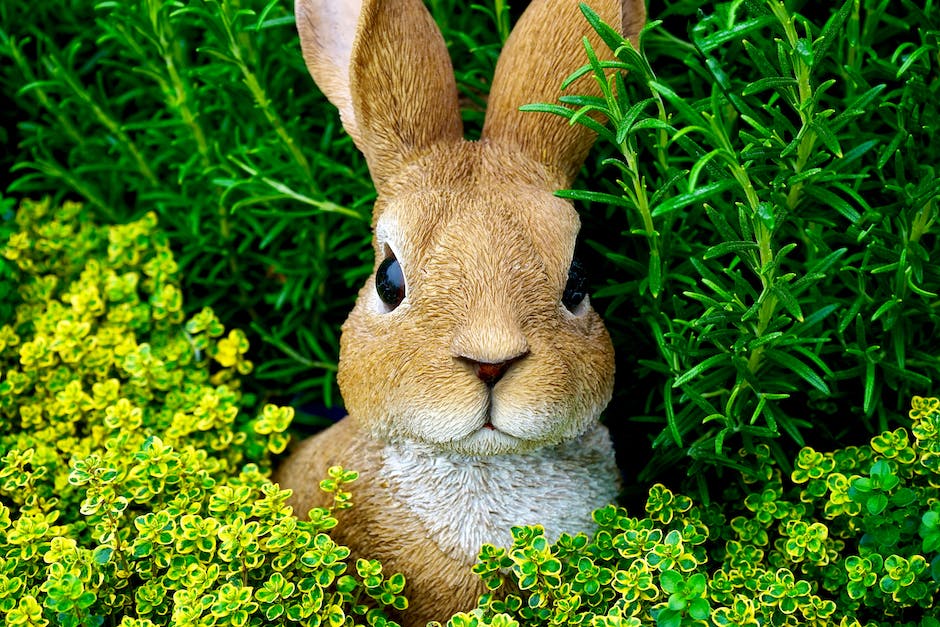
[
  {"x": 850, "y": 538},
  {"x": 776, "y": 178},
  {"x": 133, "y": 489},
  {"x": 770, "y": 168}
]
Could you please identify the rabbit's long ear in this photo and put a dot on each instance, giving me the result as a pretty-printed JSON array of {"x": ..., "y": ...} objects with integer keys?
[
  {"x": 545, "y": 47},
  {"x": 384, "y": 64}
]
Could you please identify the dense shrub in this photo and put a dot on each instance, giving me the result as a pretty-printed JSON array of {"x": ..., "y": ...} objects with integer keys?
[
  {"x": 776, "y": 179},
  {"x": 133, "y": 488}
]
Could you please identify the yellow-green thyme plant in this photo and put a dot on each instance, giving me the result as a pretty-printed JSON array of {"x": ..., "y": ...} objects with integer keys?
[{"x": 133, "y": 490}]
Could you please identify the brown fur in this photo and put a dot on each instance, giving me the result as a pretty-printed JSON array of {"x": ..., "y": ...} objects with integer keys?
[{"x": 485, "y": 248}]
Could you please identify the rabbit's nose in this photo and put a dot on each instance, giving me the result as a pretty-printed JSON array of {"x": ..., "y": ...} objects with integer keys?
[
  {"x": 490, "y": 373},
  {"x": 489, "y": 345}
]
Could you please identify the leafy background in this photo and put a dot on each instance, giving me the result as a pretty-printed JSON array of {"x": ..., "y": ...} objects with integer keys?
[
  {"x": 761, "y": 213},
  {"x": 761, "y": 216}
]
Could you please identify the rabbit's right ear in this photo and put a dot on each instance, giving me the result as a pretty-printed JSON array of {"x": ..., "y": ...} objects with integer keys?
[
  {"x": 545, "y": 47},
  {"x": 385, "y": 65}
]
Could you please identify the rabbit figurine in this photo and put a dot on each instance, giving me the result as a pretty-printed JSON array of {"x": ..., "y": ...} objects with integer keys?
[{"x": 472, "y": 366}]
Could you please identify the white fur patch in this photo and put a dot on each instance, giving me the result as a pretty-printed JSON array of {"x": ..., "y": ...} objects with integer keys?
[{"x": 465, "y": 502}]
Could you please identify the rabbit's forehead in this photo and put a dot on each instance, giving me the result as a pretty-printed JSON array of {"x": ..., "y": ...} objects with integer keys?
[{"x": 421, "y": 224}]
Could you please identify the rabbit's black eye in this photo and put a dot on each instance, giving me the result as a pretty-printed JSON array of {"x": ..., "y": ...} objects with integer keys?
[
  {"x": 390, "y": 282},
  {"x": 576, "y": 287}
]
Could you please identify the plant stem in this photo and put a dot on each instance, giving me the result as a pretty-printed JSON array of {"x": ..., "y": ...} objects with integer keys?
[
  {"x": 36, "y": 88},
  {"x": 923, "y": 221},
  {"x": 180, "y": 92},
  {"x": 261, "y": 98},
  {"x": 103, "y": 117}
]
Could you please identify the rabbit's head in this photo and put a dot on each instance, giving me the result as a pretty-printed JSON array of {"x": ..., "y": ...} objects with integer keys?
[{"x": 474, "y": 333}]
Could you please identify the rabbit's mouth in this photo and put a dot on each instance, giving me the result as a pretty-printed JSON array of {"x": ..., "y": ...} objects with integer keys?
[
  {"x": 488, "y": 414},
  {"x": 489, "y": 435},
  {"x": 493, "y": 423},
  {"x": 499, "y": 420}
]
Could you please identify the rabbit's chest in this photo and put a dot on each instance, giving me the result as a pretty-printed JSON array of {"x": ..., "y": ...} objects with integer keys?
[{"x": 464, "y": 502}]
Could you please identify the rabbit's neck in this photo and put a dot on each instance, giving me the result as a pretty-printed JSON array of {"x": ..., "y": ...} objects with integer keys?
[{"x": 464, "y": 502}]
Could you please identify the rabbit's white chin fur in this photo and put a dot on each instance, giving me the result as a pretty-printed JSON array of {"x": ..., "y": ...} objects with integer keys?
[
  {"x": 467, "y": 500},
  {"x": 488, "y": 427},
  {"x": 507, "y": 435},
  {"x": 487, "y": 441}
]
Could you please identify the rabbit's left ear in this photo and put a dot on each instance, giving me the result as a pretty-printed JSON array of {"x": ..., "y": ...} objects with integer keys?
[
  {"x": 545, "y": 47},
  {"x": 385, "y": 65}
]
